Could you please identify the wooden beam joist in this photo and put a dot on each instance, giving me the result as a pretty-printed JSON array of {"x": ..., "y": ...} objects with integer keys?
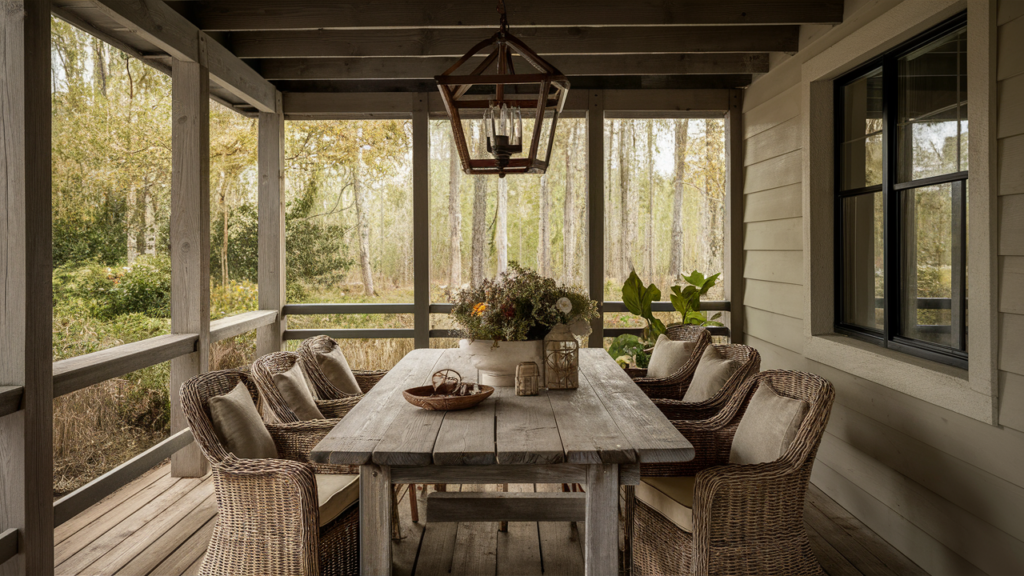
[
  {"x": 427, "y": 68},
  {"x": 453, "y": 43},
  {"x": 341, "y": 105},
  {"x": 316, "y": 15},
  {"x": 158, "y": 24}
]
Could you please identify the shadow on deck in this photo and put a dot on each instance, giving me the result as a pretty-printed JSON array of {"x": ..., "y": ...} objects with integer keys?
[{"x": 161, "y": 526}]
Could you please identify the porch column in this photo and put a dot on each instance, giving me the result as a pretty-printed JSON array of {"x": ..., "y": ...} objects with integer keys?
[
  {"x": 26, "y": 358},
  {"x": 190, "y": 238},
  {"x": 734, "y": 215},
  {"x": 271, "y": 228},
  {"x": 421, "y": 220},
  {"x": 595, "y": 209}
]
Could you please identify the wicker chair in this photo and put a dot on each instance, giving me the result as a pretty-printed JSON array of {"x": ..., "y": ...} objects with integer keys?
[
  {"x": 675, "y": 385},
  {"x": 750, "y": 361},
  {"x": 747, "y": 519},
  {"x": 269, "y": 520},
  {"x": 308, "y": 350},
  {"x": 276, "y": 409}
]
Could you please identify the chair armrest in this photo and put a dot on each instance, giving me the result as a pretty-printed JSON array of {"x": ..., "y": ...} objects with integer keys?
[
  {"x": 259, "y": 501},
  {"x": 337, "y": 408},
  {"x": 635, "y": 373},
  {"x": 679, "y": 410},
  {"x": 712, "y": 441},
  {"x": 295, "y": 440},
  {"x": 368, "y": 378}
]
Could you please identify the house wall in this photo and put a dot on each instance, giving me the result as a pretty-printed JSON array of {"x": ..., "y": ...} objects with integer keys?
[{"x": 945, "y": 489}]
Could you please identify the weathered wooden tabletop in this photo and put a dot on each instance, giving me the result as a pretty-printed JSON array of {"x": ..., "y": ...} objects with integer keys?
[{"x": 607, "y": 420}]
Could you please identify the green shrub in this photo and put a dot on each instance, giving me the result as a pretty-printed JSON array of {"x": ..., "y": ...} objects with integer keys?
[
  {"x": 236, "y": 297},
  {"x": 143, "y": 288}
]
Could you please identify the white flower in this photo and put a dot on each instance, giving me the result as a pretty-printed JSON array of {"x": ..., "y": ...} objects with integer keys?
[{"x": 564, "y": 305}]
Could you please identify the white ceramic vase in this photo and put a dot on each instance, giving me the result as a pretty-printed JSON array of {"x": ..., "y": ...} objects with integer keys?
[{"x": 496, "y": 361}]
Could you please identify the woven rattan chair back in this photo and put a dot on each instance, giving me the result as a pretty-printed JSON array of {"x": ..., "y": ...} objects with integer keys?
[
  {"x": 811, "y": 388},
  {"x": 275, "y": 408},
  {"x": 308, "y": 351},
  {"x": 674, "y": 386},
  {"x": 195, "y": 403},
  {"x": 750, "y": 364}
]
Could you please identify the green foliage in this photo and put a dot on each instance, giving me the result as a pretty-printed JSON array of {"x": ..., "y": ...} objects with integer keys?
[
  {"x": 235, "y": 298},
  {"x": 630, "y": 345},
  {"x": 142, "y": 288},
  {"x": 637, "y": 299},
  {"x": 687, "y": 300},
  {"x": 518, "y": 305},
  {"x": 98, "y": 234}
]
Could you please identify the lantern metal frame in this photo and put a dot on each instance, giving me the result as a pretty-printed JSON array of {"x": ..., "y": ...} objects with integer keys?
[{"x": 547, "y": 103}]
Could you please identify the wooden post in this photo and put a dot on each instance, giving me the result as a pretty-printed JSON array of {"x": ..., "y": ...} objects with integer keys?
[
  {"x": 272, "y": 271},
  {"x": 190, "y": 238},
  {"x": 375, "y": 512},
  {"x": 26, "y": 358},
  {"x": 734, "y": 215},
  {"x": 421, "y": 220},
  {"x": 595, "y": 209}
]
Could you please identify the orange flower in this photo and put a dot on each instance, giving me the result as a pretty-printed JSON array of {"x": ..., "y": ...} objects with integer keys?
[{"x": 479, "y": 309}]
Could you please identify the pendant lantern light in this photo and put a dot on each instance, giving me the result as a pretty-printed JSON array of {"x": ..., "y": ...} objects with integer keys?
[{"x": 504, "y": 97}]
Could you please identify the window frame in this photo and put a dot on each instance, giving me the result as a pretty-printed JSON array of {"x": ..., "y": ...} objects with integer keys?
[{"x": 956, "y": 354}]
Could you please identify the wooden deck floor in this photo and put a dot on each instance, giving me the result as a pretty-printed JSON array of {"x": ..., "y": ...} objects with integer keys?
[{"x": 161, "y": 526}]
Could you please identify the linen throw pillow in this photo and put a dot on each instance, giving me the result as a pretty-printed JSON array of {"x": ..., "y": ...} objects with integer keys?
[
  {"x": 669, "y": 356},
  {"x": 292, "y": 385},
  {"x": 712, "y": 372},
  {"x": 767, "y": 428},
  {"x": 238, "y": 425},
  {"x": 335, "y": 367}
]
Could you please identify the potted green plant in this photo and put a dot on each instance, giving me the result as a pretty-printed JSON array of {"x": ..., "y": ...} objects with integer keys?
[{"x": 504, "y": 320}]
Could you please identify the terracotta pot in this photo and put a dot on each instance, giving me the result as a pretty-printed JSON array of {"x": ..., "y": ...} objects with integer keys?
[{"x": 497, "y": 361}]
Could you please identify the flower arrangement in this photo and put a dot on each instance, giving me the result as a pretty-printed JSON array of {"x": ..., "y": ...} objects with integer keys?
[{"x": 521, "y": 305}]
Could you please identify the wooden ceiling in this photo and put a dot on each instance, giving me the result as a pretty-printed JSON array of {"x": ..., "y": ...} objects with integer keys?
[{"x": 400, "y": 45}]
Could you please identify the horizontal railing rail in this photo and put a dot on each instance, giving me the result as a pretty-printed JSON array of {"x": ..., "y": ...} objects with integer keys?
[
  {"x": 340, "y": 308},
  {"x": 8, "y": 545},
  {"x": 708, "y": 306},
  {"x": 84, "y": 371},
  {"x": 613, "y": 332},
  {"x": 240, "y": 324},
  {"x": 340, "y": 333},
  {"x": 10, "y": 400},
  {"x": 67, "y": 507}
]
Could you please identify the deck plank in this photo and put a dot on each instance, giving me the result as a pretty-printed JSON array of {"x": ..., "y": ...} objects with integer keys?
[
  {"x": 171, "y": 540},
  {"x": 560, "y": 548},
  {"x": 438, "y": 547},
  {"x": 404, "y": 551},
  {"x": 519, "y": 547},
  {"x": 117, "y": 500},
  {"x": 188, "y": 557},
  {"x": 476, "y": 543}
]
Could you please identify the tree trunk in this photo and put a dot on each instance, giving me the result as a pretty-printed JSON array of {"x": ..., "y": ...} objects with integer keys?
[
  {"x": 675, "y": 260},
  {"x": 479, "y": 257},
  {"x": 150, "y": 221},
  {"x": 131, "y": 213},
  {"x": 454, "y": 217},
  {"x": 501, "y": 226},
  {"x": 707, "y": 208},
  {"x": 612, "y": 256},
  {"x": 569, "y": 214},
  {"x": 100, "y": 65},
  {"x": 650, "y": 199},
  {"x": 363, "y": 227},
  {"x": 627, "y": 228},
  {"x": 544, "y": 239}
]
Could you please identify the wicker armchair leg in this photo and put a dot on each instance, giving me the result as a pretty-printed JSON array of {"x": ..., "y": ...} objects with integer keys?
[{"x": 412, "y": 504}]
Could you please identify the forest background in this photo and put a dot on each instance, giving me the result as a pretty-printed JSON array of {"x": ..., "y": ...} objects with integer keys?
[{"x": 348, "y": 228}]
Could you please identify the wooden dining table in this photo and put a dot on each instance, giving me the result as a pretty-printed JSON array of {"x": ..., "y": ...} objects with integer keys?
[{"x": 596, "y": 436}]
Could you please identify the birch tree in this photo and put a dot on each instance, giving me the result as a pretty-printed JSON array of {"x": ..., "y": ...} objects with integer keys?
[
  {"x": 479, "y": 255},
  {"x": 675, "y": 261},
  {"x": 361, "y": 223},
  {"x": 501, "y": 226},
  {"x": 650, "y": 200},
  {"x": 569, "y": 213},
  {"x": 627, "y": 228},
  {"x": 544, "y": 229},
  {"x": 454, "y": 217}
]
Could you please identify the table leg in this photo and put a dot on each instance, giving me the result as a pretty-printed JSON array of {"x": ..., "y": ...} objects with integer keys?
[
  {"x": 601, "y": 549},
  {"x": 375, "y": 519}
]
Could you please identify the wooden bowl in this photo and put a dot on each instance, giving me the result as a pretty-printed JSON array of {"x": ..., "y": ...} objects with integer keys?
[{"x": 421, "y": 396}]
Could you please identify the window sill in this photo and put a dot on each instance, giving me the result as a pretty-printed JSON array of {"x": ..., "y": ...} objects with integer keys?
[{"x": 932, "y": 382}]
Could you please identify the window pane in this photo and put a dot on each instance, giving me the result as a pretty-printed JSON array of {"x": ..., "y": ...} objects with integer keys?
[
  {"x": 932, "y": 109},
  {"x": 863, "y": 261},
  {"x": 862, "y": 132},
  {"x": 926, "y": 286}
]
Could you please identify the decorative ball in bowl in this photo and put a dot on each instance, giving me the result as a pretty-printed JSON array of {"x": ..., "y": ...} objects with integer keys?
[{"x": 447, "y": 392}]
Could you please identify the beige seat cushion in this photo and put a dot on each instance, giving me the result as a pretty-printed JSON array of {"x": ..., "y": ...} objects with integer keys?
[
  {"x": 335, "y": 367},
  {"x": 712, "y": 372},
  {"x": 670, "y": 496},
  {"x": 292, "y": 385},
  {"x": 767, "y": 428},
  {"x": 669, "y": 356},
  {"x": 238, "y": 425},
  {"x": 334, "y": 494}
]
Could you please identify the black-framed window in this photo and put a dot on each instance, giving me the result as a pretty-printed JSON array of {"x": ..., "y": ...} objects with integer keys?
[{"x": 901, "y": 197}]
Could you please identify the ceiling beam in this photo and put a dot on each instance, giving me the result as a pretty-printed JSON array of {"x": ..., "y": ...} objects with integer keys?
[
  {"x": 427, "y": 68},
  {"x": 618, "y": 103},
  {"x": 158, "y": 24},
  {"x": 680, "y": 82},
  {"x": 543, "y": 41},
  {"x": 316, "y": 14}
]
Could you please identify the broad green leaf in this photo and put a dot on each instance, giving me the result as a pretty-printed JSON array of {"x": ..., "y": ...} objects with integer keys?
[{"x": 632, "y": 294}]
